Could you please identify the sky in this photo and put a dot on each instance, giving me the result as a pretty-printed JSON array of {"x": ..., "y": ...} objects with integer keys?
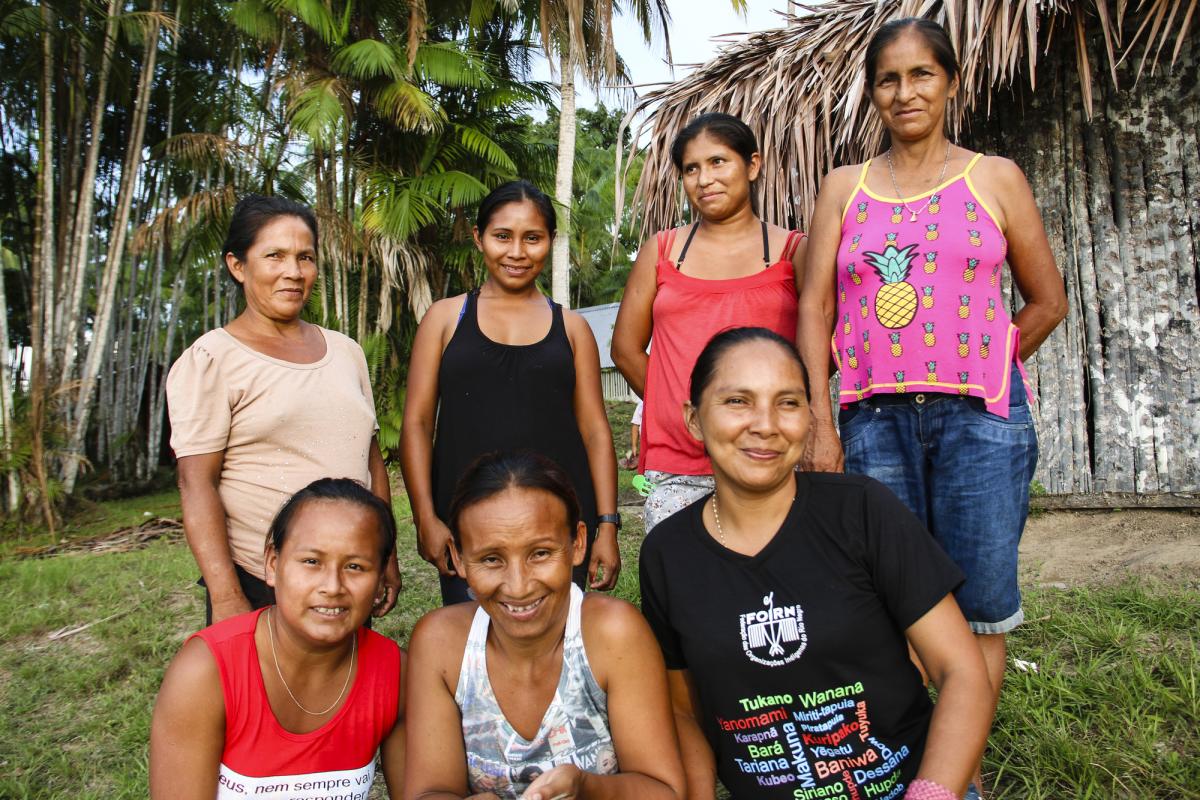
[{"x": 693, "y": 25}]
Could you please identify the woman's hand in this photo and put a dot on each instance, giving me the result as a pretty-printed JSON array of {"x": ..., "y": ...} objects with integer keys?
[
  {"x": 433, "y": 544},
  {"x": 606, "y": 559},
  {"x": 562, "y": 782},
  {"x": 392, "y": 584},
  {"x": 824, "y": 450}
]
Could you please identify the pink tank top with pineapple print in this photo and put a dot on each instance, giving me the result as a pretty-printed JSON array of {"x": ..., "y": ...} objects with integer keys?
[{"x": 919, "y": 306}]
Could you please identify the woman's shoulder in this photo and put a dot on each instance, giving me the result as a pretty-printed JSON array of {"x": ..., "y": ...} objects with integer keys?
[
  {"x": 444, "y": 630},
  {"x": 611, "y": 625},
  {"x": 995, "y": 171},
  {"x": 209, "y": 347}
]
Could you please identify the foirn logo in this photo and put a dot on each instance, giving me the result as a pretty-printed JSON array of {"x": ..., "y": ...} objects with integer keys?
[{"x": 773, "y": 636}]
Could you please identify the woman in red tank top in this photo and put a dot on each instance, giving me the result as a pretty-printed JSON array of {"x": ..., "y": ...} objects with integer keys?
[
  {"x": 294, "y": 700},
  {"x": 729, "y": 280}
]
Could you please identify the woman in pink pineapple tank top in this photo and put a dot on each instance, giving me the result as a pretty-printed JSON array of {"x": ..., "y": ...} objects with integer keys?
[
  {"x": 739, "y": 271},
  {"x": 903, "y": 283}
]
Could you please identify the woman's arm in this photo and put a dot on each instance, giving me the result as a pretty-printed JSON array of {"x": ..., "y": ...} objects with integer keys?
[
  {"x": 436, "y": 766},
  {"x": 391, "y": 750},
  {"x": 1034, "y": 272},
  {"x": 597, "y": 440},
  {"x": 963, "y": 714},
  {"x": 630, "y": 669},
  {"x": 416, "y": 434},
  {"x": 381, "y": 487},
  {"x": 207, "y": 532},
  {"x": 635, "y": 323},
  {"x": 187, "y": 732},
  {"x": 818, "y": 310},
  {"x": 699, "y": 763}
]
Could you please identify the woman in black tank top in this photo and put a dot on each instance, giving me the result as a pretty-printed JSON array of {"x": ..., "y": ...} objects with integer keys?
[{"x": 504, "y": 368}]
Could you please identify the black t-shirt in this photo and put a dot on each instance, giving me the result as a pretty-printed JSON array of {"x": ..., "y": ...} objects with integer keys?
[{"x": 798, "y": 653}]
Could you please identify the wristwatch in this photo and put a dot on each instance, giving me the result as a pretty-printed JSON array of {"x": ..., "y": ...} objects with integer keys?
[{"x": 615, "y": 519}]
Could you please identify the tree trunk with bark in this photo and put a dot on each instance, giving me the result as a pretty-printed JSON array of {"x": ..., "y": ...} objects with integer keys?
[
  {"x": 563, "y": 178},
  {"x": 98, "y": 349}
]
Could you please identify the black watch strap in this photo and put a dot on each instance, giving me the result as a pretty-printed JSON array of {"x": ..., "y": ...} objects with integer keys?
[{"x": 615, "y": 519}]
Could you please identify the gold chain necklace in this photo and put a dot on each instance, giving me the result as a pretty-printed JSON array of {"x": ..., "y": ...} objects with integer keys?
[
  {"x": 717, "y": 517},
  {"x": 346, "y": 685},
  {"x": 912, "y": 215}
]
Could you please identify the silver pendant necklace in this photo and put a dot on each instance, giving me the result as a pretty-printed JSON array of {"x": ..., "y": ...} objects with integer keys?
[
  {"x": 345, "y": 686},
  {"x": 912, "y": 215}
]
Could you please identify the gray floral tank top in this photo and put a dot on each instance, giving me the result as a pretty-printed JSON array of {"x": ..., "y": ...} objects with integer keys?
[{"x": 574, "y": 729}]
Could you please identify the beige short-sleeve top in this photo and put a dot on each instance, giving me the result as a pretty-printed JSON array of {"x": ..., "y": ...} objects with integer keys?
[{"x": 281, "y": 425}]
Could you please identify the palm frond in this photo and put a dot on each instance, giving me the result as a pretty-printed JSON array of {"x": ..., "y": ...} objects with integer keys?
[
  {"x": 410, "y": 108},
  {"x": 448, "y": 65},
  {"x": 256, "y": 20},
  {"x": 316, "y": 15},
  {"x": 368, "y": 58},
  {"x": 320, "y": 109},
  {"x": 485, "y": 147}
]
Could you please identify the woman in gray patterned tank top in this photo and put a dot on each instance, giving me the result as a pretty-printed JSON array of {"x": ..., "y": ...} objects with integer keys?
[{"x": 535, "y": 690}]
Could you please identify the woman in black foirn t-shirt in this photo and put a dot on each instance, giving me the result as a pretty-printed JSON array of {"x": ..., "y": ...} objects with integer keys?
[{"x": 782, "y": 603}]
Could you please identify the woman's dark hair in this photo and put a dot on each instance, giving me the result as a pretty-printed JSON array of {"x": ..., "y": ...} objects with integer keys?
[
  {"x": 493, "y": 473},
  {"x": 344, "y": 490},
  {"x": 253, "y": 212},
  {"x": 710, "y": 356},
  {"x": 725, "y": 128},
  {"x": 516, "y": 192},
  {"x": 933, "y": 34}
]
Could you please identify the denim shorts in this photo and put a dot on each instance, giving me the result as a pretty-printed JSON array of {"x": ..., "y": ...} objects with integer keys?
[{"x": 965, "y": 473}]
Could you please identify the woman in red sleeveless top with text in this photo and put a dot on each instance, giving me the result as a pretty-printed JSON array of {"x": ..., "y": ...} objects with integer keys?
[{"x": 726, "y": 269}]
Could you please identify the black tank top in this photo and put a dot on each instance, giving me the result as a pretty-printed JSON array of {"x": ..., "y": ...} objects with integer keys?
[{"x": 494, "y": 396}]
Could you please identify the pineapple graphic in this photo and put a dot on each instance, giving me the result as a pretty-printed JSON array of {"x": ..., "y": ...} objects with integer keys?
[
  {"x": 935, "y": 203},
  {"x": 962, "y": 382},
  {"x": 930, "y": 339},
  {"x": 869, "y": 370},
  {"x": 926, "y": 297},
  {"x": 964, "y": 347},
  {"x": 931, "y": 262},
  {"x": 862, "y": 307},
  {"x": 900, "y": 387},
  {"x": 855, "y": 278},
  {"x": 896, "y": 214},
  {"x": 846, "y": 324},
  {"x": 889, "y": 240},
  {"x": 972, "y": 215},
  {"x": 931, "y": 372},
  {"x": 851, "y": 358},
  {"x": 858, "y": 392},
  {"x": 931, "y": 233},
  {"x": 896, "y": 300},
  {"x": 995, "y": 273},
  {"x": 854, "y": 240},
  {"x": 866, "y": 343},
  {"x": 861, "y": 216},
  {"x": 990, "y": 314},
  {"x": 985, "y": 346},
  {"x": 841, "y": 292},
  {"x": 969, "y": 272},
  {"x": 897, "y": 348},
  {"x": 974, "y": 238},
  {"x": 964, "y": 306}
]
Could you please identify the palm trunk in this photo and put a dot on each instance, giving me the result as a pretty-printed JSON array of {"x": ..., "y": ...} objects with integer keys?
[
  {"x": 101, "y": 331},
  {"x": 158, "y": 402},
  {"x": 39, "y": 294},
  {"x": 13, "y": 496},
  {"x": 66, "y": 329},
  {"x": 564, "y": 175}
]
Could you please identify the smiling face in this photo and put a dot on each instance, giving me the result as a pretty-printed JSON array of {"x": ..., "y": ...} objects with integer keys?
[
  {"x": 717, "y": 179},
  {"x": 517, "y": 553},
  {"x": 328, "y": 574},
  {"x": 515, "y": 244},
  {"x": 911, "y": 89},
  {"x": 280, "y": 269},
  {"x": 753, "y": 416}
]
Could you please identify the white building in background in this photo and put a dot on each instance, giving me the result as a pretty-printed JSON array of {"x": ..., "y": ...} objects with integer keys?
[{"x": 601, "y": 320}]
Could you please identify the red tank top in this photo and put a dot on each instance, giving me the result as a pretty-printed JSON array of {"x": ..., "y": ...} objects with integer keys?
[
  {"x": 687, "y": 312},
  {"x": 262, "y": 759}
]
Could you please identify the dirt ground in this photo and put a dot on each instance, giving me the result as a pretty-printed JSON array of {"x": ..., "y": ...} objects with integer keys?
[{"x": 1075, "y": 548}]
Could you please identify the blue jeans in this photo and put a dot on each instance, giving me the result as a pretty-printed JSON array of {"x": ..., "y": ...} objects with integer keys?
[{"x": 965, "y": 473}]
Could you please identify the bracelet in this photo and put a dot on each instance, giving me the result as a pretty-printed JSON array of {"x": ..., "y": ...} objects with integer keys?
[
  {"x": 922, "y": 789},
  {"x": 615, "y": 519}
]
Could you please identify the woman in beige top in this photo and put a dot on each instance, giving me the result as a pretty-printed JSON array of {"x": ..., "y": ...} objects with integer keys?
[{"x": 266, "y": 405}]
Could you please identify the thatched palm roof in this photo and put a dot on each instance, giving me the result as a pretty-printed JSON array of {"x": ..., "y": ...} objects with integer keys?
[{"x": 801, "y": 87}]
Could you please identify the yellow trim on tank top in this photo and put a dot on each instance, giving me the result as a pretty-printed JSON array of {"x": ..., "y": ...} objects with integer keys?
[{"x": 964, "y": 175}]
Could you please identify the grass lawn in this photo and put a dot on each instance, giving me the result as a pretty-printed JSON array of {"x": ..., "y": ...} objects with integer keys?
[{"x": 1112, "y": 711}]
